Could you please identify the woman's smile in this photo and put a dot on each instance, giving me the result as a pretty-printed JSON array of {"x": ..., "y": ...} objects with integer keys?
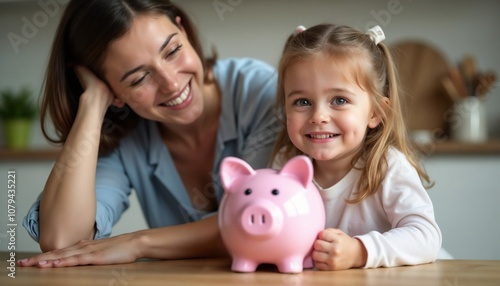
[{"x": 182, "y": 100}]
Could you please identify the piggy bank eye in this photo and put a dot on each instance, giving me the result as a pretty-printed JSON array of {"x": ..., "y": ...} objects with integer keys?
[
  {"x": 275, "y": 192},
  {"x": 248, "y": 192}
]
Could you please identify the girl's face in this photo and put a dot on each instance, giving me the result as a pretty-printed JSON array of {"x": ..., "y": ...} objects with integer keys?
[
  {"x": 327, "y": 112},
  {"x": 154, "y": 69}
]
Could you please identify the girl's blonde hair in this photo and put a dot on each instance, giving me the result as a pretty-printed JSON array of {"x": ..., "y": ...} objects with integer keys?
[{"x": 374, "y": 70}]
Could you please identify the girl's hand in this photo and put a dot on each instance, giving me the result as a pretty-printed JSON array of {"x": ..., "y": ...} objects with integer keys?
[
  {"x": 96, "y": 92},
  {"x": 114, "y": 250},
  {"x": 335, "y": 250}
]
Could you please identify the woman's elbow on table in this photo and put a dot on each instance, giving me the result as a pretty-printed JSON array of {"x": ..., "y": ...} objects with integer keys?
[{"x": 55, "y": 241}]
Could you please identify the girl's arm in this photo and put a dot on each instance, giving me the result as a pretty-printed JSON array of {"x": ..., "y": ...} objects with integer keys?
[
  {"x": 393, "y": 227},
  {"x": 414, "y": 236},
  {"x": 68, "y": 203},
  {"x": 196, "y": 239}
]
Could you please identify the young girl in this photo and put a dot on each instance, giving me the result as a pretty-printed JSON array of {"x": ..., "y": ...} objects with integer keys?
[{"x": 339, "y": 99}]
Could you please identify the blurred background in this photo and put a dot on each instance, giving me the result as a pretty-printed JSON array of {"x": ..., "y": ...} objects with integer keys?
[{"x": 434, "y": 43}]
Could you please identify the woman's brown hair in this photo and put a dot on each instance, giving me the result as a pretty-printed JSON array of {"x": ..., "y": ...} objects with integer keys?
[{"x": 86, "y": 29}]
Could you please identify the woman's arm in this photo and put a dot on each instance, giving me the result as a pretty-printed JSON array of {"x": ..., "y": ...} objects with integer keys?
[
  {"x": 68, "y": 203},
  {"x": 196, "y": 239}
]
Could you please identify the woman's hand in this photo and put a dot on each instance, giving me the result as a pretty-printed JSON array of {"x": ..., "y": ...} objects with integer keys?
[
  {"x": 114, "y": 250},
  {"x": 195, "y": 239},
  {"x": 335, "y": 250},
  {"x": 95, "y": 91}
]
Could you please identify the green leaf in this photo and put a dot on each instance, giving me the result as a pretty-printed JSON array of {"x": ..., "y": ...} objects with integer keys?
[{"x": 17, "y": 105}]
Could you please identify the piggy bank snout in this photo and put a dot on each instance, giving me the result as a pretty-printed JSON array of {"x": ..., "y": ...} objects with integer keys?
[{"x": 261, "y": 219}]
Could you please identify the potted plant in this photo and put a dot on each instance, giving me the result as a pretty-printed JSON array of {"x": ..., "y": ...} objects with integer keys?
[{"x": 17, "y": 112}]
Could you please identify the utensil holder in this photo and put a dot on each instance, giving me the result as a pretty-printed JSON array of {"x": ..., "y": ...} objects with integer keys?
[{"x": 469, "y": 121}]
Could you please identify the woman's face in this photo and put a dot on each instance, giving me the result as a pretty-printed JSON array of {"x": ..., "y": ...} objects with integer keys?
[{"x": 155, "y": 70}]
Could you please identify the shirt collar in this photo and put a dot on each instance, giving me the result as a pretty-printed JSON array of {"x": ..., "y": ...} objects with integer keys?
[{"x": 155, "y": 144}]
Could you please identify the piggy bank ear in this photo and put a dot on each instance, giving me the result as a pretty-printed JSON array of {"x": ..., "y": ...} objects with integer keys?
[
  {"x": 232, "y": 168},
  {"x": 299, "y": 167}
]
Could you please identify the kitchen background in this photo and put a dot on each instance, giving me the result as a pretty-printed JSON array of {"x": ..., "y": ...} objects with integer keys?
[{"x": 467, "y": 191}]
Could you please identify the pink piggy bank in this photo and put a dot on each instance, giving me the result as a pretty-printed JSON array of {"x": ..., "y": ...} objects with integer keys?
[{"x": 270, "y": 216}]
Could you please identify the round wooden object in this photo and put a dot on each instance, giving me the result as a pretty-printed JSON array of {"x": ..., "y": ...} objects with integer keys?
[{"x": 421, "y": 68}]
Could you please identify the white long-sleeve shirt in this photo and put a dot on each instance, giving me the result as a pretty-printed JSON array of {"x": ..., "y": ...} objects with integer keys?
[{"x": 396, "y": 224}]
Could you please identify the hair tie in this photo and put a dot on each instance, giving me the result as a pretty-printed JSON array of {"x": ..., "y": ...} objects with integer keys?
[
  {"x": 299, "y": 29},
  {"x": 376, "y": 34}
]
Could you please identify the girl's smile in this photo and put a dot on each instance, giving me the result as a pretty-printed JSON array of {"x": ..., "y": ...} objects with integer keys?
[{"x": 320, "y": 137}]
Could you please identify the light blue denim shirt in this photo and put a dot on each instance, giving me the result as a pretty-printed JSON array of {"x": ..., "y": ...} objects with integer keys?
[{"x": 142, "y": 162}]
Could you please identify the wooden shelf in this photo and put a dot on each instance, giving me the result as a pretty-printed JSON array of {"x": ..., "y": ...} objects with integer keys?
[
  {"x": 460, "y": 148},
  {"x": 434, "y": 148},
  {"x": 48, "y": 154}
]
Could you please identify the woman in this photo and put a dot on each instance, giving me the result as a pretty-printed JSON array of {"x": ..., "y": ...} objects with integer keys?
[{"x": 137, "y": 106}]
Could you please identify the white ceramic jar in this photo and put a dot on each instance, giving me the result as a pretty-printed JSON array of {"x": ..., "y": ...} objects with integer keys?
[{"x": 469, "y": 121}]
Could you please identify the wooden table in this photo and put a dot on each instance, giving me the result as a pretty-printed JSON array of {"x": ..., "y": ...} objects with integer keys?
[{"x": 217, "y": 272}]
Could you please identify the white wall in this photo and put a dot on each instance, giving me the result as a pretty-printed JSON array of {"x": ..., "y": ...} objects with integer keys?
[
  {"x": 466, "y": 194},
  {"x": 466, "y": 200}
]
